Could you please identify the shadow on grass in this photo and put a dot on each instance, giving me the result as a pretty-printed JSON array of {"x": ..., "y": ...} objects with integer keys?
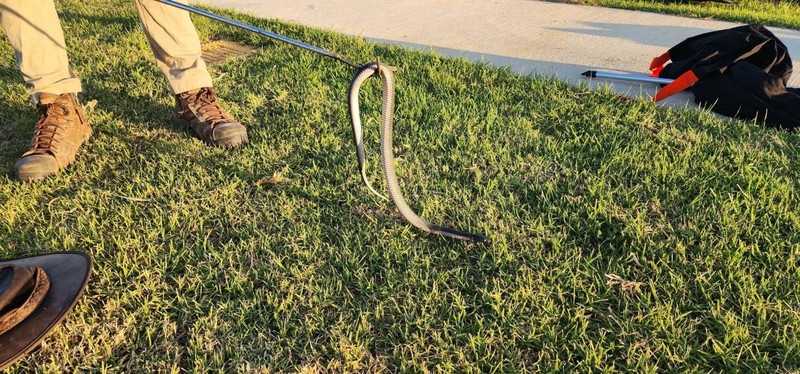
[
  {"x": 17, "y": 122},
  {"x": 127, "y": 23}
]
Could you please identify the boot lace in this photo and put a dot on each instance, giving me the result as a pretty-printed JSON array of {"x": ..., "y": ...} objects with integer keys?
[
  {"x": 52, "y": 120},
  {"x": 206, "y": 105}
]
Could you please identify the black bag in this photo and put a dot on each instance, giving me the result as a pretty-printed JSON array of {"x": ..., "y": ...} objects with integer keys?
[{"x": 740, "y": 72}]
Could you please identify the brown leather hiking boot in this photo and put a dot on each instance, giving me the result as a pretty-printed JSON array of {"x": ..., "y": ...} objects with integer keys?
[
  {"x": 61, "y": 129},
  {"x": 200, "y": 111}
]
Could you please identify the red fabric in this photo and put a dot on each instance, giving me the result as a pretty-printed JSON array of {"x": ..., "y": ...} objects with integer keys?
[
  {"x": 683, "y": 82},
  {"x": 657, "y": 72},
  {"x": 658, "y": 62}
]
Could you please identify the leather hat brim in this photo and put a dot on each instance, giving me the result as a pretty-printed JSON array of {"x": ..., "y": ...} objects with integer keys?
[{"x": 68, "y": 273}]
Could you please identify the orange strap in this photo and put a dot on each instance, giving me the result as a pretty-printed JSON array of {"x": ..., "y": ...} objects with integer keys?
[
  {"x": 656, "y": 72},
  {"x": 683, "y": 82},
  {"x": 658, "y": 62}
]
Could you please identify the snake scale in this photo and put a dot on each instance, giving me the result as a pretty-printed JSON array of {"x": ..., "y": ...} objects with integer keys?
[{"x": 386, "y": 74}]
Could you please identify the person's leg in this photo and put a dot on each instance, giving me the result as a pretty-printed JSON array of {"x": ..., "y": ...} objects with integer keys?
[
  {"x": 175, "y": 44},
  {"x": 34, "y": 31},
  {"x": 178, "y": 54}
]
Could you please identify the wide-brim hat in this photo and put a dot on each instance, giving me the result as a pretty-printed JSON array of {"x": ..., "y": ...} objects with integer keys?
[{"x": 36, "y": 293}]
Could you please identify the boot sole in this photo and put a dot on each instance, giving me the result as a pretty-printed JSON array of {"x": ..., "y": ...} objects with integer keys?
[
  {"x": 33, "y": 176},
  {"x": 232, "y": 141}
]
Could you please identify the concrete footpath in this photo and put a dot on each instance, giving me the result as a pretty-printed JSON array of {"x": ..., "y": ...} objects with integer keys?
[{"x": 528, "y": 36}]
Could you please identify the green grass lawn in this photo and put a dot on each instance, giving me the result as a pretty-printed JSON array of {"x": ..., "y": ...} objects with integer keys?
[
  {"x": 626, "y": 236},
  {"x": 780, "y": 13}
]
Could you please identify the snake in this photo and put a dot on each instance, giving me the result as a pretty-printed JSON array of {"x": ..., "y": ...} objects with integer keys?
[{"x": 386, "y": 75}]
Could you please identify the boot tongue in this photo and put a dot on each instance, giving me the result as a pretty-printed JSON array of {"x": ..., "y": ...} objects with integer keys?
[{"x": 47, "y": 98}]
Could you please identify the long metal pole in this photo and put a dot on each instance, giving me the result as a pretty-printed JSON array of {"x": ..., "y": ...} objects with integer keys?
[
  {"x": 626, "y": 77},
  {"x": 266, "y": 33}
]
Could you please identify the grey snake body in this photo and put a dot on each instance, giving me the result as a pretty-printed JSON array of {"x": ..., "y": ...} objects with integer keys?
[
  {"x": 387, "y": 154},
  {"x": 386, "y": 74}
]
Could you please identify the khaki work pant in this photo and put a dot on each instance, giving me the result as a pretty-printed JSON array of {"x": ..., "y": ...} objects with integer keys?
[{"x": 33, "y": 29}]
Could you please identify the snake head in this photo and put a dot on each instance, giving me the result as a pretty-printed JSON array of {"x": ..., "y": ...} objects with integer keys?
[{"x": 378, "y": 66}]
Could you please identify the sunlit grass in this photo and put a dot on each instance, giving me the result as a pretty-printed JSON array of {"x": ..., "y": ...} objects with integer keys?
[
  {"x": 626, "y": 236},
  {"x": 772, "y": 13}
]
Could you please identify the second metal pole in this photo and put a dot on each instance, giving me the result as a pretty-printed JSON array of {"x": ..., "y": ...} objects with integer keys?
[{"x": 626, "y": 77}]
